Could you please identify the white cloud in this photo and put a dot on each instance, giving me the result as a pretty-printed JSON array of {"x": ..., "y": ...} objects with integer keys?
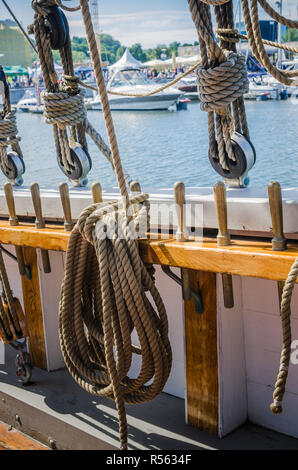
[{"x": 149, "y": 27}]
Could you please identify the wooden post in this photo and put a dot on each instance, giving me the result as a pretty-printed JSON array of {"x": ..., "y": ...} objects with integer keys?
[
  {"x": 33, "y": 311},
  {"x": 201, "y": 355}
]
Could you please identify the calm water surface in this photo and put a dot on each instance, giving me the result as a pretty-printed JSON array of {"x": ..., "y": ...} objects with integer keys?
[{"x": 159, "y": 148}]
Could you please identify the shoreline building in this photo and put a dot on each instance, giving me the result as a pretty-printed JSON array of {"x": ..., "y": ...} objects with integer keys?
[{"x": 14, "y": 49}]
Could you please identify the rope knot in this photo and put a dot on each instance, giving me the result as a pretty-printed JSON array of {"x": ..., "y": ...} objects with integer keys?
[
  {"x": 227, "y": 34},
  {"x": 70, "y": 84},
  {"x": 221, "y": 85},
  {"x": 63, "y": 110}
]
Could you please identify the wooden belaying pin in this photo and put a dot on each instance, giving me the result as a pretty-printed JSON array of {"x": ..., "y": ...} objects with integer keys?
[
  {"x": 96, "y": 193},
  {"x": 223, "y": 236},
  {"x": 279, "y": 243},
  {"x": 135, "y": 187},
  {"x": 182, "y": 234},
  {"x": 40, "y": 224},
  {"x": 223, "y": 239},
  {"x": 65, "y": 200},
  {"x": 13, "y": 220},
  {"x": 179, "y": 195}
]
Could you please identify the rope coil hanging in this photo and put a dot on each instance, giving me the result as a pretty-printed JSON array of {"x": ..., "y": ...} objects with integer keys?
[
  {"x": 12, "y": 163},
  {"x": 104, "y": 291}
]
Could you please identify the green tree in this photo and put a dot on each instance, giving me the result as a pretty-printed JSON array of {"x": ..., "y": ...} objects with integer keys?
[
  {"x": 120, "y": 52},
  {"x": 138, "y": 53},
  {"x": 291, "y": 35}
]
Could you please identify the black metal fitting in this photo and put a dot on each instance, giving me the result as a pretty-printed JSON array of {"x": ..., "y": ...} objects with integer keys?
[{"x": 57, "y": 26}]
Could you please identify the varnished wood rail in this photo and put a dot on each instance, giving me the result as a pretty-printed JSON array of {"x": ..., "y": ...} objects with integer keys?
[{"x": 244, "y": 257}]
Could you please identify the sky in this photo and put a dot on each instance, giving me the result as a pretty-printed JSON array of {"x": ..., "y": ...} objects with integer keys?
[{"x": 130, "y": 21}]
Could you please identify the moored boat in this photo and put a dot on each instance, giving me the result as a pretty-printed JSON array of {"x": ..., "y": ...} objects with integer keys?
[{"x": 128, "y": 82}]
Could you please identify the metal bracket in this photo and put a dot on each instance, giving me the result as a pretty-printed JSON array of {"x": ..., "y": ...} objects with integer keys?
[
  {"x": 195, "y": 295},
  {"x": 27, "y": 268}
]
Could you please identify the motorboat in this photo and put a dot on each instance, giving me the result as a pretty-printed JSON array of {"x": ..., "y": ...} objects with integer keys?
[
  {"x": 30, "y": 103},
  {"x": 28, "y": 100},
  {"x": 264, "y": 87},
  {"x": 133, "y": 81},
  {"x": 189, "y": 87}
]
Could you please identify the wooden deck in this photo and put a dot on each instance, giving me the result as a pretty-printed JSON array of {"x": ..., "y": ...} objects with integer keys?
[{"x": 11, "y": 439}]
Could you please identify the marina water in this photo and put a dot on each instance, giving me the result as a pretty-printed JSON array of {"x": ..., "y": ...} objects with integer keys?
[{"x": 161, "y": 147}]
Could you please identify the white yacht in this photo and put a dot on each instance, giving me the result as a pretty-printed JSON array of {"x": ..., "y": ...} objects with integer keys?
[
  {"x": 132, "y": 81},
  {"x": 262, "y": 88},
  {"x": 29, "y": 102}
]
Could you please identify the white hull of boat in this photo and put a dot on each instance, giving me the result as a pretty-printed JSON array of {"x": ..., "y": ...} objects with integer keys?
[
  {"x": 36, "y": 109},
  {"x": 257, "y": 93},
  {"x": 152, "y": 103}
]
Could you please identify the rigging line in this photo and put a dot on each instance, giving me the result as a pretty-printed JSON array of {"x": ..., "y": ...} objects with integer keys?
[{"x": 19, "y": 25}]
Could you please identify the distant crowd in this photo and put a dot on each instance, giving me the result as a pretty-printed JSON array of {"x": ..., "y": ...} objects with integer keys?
[{"x": 19, "y": 81}]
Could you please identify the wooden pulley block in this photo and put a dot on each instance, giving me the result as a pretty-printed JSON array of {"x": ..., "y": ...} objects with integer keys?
[{"x": 9, "y": 331}]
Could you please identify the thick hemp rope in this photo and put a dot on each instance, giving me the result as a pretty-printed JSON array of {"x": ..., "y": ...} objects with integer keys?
[
  {"x": 222, "y": 79},
  {"x": 64, "y": 106},
  {"x": 104, "y": 290},
  {"x": 232, "y": 35},
  {"x": 251, "y": 19},
  {"x": 285, "y": 312},
  {"x": 103, "y": 300},
  {"x": 8, "y": 129}
]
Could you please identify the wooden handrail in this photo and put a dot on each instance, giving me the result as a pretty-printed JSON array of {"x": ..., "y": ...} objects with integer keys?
[{"x": 244, "y": 257}]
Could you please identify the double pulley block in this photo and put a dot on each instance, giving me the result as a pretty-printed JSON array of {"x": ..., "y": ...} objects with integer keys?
[
  {"x": 14, "y": 167},
  {"x": 245, "y": 157}
]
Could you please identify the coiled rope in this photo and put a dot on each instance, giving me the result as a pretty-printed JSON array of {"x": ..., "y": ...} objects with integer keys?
[
  {"x": 104, "y": 291},
  {"x": 285, "y": 312},
  {"x": 8, "y": 129}
]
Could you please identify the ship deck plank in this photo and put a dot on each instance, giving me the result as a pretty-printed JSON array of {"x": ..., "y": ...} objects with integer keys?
[
  {"x": 55, "y": 407},
  {"x": 12, "y": 439}
]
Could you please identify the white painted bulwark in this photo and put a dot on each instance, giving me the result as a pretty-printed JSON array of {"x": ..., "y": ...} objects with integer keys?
[
  {"x": 50, "y": 287},
  {"x": 248, "y": 208},
  {"x": 249, "y": 346},
  {"x": 263, "y": 340},
  {"x": 231, "y": 360}
]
